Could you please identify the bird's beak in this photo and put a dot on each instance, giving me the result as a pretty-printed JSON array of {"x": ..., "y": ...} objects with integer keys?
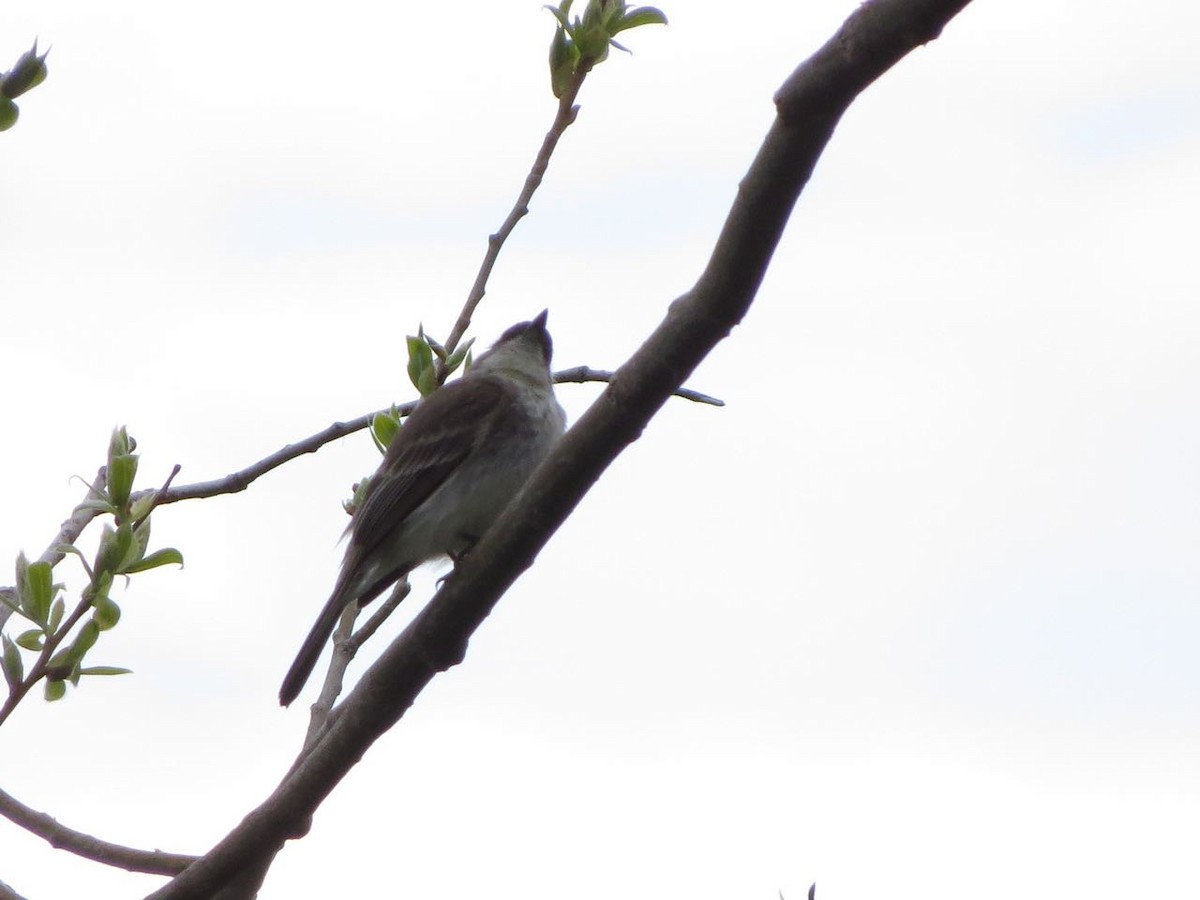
[{"x": 540, "y": 320}]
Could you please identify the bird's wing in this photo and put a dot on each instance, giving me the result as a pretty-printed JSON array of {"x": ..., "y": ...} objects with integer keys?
[{"x": 444, "y": 429}]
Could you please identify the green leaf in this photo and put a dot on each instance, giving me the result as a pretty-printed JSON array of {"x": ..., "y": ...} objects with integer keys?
[
  {"x": 143, "y": 505},
  {"x": 40, "y": 592},
  {"x": 119, "y": 444},
  {"x": 420, "y": 361},
  {"x": 99, "y": 587},
  {"x": 22, "y": 579},
  {"x": 102, "y": 506},
  {"x": 121, "y": 472},
  {"x": 436, "y": 346},
  {"x": 360, "y": 491},
  {"x": 31, "y": 639},
  {"x": 84, "y": 641},
  {"x": 384, "y": 428},
  {"x": 563, "y": 56},
  {"x": 592, "y": 41},
  {"x": 141, "y": 541},
  {"x": 68, "y": 548},
  {"x": 164, "y": 557},
  {"x": 105, "y": 613},
  {"x": 427, "y": 383},
  {"x": 8, "y": 597},
  {"x": 562, "y": 13},
  {"x": 420, "y": 358},
  {"x": 114, "y": 548},
  {"x": 457, "y": 357},
  {"x": 9, "y": 113},
  {"x": 28, "y": 73},
  {"x": 55, "y": 690},
  {"x": 56, "y": 614},
  {"x": 14, "y": 666},
  {"x": 638, "y": 16},
  {"x": 105, "y": 670}
]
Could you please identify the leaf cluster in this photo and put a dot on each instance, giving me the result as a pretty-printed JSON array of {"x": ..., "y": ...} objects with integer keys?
[
  {"x": 30, "y": 71},
  {"x": 583, "y": 41},
  {"x": 429, "y": 363},
  {"x": 61, "y": 642}
]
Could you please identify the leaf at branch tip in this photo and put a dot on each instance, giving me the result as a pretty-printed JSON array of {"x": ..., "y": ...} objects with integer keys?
[
  {"x": 119, "y": 444},
  {"x": 9, "y": 113},
  {"x": 562, "y": 13},
  {"x": 121, "y": 471},
  {"x": 143, "y": 506},
  {"x": 105, "y": 613},
  {"x": 420, "y": 358},
  {"x": 14, "y": 666},
  {"x": 114, "y": 548},
  {"x": 360, "y": 492},
  {"x": 55, "y": 690},
  {"x": 105, "y": 670},
  {"x": 638, "y": 16},
  {"x": 592, "y": 40},
  {"x": 165, "y": 557},
  {"x": 384, "y": 428},
  {"x": 30, "y": 640},
  {"x": 28, "y": 73},
  {"x": 128, "y": 549},
  {"x": 563, "y": 57},
  {"x": 457, "y": 357},
  {"x": 427, "y": 382},
  {"x": 100, "y": 506},
  {"x": 8, "y": 597},
  {"x": 436, "y": 346},
  {"x": 39, "y": 592},
  {"x": 22, "y": 577},
  {"x": 141, "y": 541},
  {"x": 89, "y": 633}
]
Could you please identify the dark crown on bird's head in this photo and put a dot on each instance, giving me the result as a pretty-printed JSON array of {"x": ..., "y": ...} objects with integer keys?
[{"x": 534, "y": 329}]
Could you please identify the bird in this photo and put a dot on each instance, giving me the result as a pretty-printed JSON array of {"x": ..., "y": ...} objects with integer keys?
[{"x": 462, "y": 454}]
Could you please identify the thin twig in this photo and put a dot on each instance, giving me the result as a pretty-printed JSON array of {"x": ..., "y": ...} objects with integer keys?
[
  {"x": 17, "y": 693},
  {"x": 331, "y": 687},
  {"x": 158, "y": 498},
  {"x": 7, "y": 893},
  {"x": 59, "y": 836},
  {"x": 360, "y": 637},
  {"x": 580, "y": 374},
  {"x": 240, "y": 480},
  {"x": 567, "y": 110},
  {"x": 346, "y": 643}
]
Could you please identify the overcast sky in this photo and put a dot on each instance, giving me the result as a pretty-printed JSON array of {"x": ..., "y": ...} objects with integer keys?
[{"x": 914, "y": 615}]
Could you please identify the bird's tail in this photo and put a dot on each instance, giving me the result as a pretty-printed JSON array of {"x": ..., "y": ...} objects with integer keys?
[{"x": 310, "y": 650}]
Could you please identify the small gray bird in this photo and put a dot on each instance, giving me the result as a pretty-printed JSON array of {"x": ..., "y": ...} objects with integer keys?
[{"x": 463, "y": 453}]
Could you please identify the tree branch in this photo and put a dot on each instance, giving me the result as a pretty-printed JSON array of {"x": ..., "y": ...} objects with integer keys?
[
  {"x": 809, "y": 106},
  {"x": 238, "y": 481},
  {"x": 154, "y": 862},
  {"x": 242, "y": 479},
  {"x": 582, "y": 374},
  {"x": 563, "y": 118}
]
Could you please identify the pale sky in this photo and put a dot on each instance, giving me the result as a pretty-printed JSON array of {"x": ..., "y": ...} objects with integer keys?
[{"x": 914, "y": 615}]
